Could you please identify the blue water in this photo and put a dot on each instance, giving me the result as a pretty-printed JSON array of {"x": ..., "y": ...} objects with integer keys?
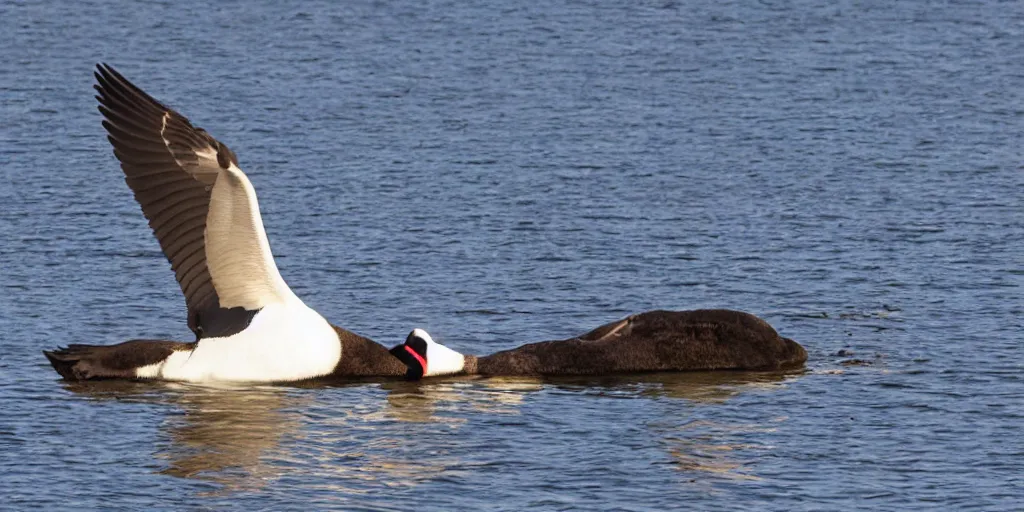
[{"x": 506, "y": 172}]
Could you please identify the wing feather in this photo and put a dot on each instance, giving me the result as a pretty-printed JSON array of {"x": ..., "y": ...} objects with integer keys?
[{"x": 173, "y": 169}]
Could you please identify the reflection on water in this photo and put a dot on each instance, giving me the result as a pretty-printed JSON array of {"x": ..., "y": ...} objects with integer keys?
[
  {"x": 699, "y": 387},
  {"x": 704, "y": 446},
  {"x": 434, "y": 400},
  {"x": 226, "y": 435},
  {"x": 223, "y": 434},
  {"x": 351, "y": 441},
  {"x": 699, "y": 447}
]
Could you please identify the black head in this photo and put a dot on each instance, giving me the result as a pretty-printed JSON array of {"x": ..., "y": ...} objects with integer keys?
[{"x": 414, "y": 354}]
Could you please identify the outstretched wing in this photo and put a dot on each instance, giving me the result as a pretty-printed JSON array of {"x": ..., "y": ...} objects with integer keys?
[{"x": 201, "y": 207}]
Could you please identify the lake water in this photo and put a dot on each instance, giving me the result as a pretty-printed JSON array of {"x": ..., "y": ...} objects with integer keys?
[{"x": 506, "y": 172}]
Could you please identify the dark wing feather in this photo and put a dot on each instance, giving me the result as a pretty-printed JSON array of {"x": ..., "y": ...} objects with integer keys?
[{"x": 171, "y": 166}]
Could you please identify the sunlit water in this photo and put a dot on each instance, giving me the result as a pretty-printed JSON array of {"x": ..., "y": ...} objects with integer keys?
[{"x": 510, "y": 172}]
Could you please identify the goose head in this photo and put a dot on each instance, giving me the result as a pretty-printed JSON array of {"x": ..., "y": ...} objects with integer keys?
[{"x": 425, "y": 357}]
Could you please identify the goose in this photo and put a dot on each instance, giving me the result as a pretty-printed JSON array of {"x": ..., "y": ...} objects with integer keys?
[{"x": 250, "y": 326}]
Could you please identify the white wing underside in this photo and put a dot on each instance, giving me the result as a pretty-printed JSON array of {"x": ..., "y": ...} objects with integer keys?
[{"x": 237, "y": 251}]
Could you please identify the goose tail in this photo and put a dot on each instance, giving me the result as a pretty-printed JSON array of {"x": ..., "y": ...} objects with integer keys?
[{"x": 121, "y": 361}]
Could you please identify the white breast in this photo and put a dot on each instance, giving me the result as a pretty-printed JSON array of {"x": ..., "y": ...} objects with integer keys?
[{"x": 284, "y": 342}]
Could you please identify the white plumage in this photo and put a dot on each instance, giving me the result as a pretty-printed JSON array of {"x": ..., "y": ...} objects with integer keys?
[{"x": 285, "y": 342}]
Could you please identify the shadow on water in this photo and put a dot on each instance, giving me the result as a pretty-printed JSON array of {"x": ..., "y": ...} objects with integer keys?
[{"x": 242, "y": 438}]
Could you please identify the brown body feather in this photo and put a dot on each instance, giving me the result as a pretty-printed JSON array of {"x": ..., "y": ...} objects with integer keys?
[
  {"x": 653, "y": 341},
  {"x": 89, "y": 362},
  {"x": 363, "y": 357}
]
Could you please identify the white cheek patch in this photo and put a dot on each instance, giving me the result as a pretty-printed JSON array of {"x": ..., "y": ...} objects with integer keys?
[{"x": 441, "y": 360}]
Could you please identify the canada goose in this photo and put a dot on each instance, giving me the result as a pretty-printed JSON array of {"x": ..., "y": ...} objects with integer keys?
[{"x": 251, "y": 327}]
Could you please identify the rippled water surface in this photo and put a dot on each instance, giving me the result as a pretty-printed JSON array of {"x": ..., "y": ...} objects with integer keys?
[{"x": 506, "y": 172}]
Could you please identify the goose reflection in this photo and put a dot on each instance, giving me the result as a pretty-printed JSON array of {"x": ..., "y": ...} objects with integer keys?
[
  {"x": 696, "y": 387},
  {"x": 335, "y": 434},
  {"x": 700, "y": 445},
  {"x": 227, "y": 436},
  {"x": 343, "y": 436},
  {"x": 224, "y": 435},
  {"x": 697, "y": 447},
  {"x": 447, "y": 401}
]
